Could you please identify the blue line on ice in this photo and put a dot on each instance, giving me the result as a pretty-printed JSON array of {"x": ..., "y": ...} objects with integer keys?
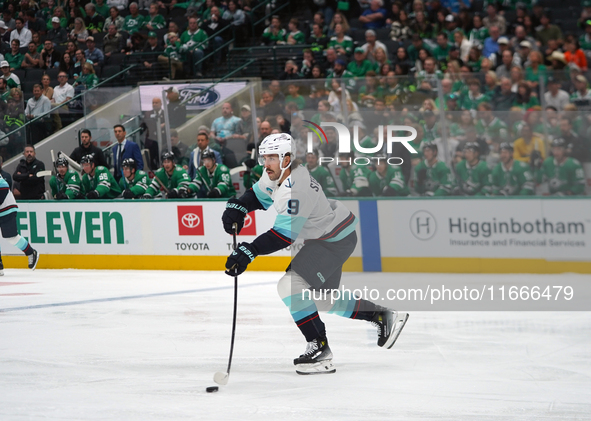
[{"x": 131, "y": 297}]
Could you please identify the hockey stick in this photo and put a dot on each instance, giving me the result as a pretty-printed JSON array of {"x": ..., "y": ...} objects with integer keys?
[
  {"x": 161, "y": 184},
  {"x": 222, "y": 378}
]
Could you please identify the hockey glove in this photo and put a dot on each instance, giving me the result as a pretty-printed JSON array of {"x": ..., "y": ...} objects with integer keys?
[
  {"x": 421, "y": 176},
  {"x": 92, "y": 194},
  {"x": 214, "y": 193},
  {"x": 388, "y": 192},
  {"x": 183, "y": 192},
  {"x": 234, "y": 214},
  {"x": 128, "y": 194},
  {"x": 239, "y": 259},
  {"x": 61, "y": 196},
  {"x": 172, "y": 194},
  {"x": 146, "y": 196}
]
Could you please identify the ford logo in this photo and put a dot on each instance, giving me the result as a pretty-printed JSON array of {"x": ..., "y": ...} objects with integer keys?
[{"x": 194, "y": 99}]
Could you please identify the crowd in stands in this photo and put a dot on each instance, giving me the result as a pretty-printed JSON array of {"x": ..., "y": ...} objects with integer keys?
[{"x": 502, "y": 89}]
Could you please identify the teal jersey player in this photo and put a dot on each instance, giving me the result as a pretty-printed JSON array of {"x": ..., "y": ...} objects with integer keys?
[
  {"x": 510, "y": 177},
  {"x": 98, "y": 182},
  {"x": 212, "y": 180},
  {"x": 321, "y": 174},
  {"x": 172, "y": 178},
  {"x": 354, "y": 178},
  {"x": 66, "y": 184},
  {"x": 565, "y": 175},
  {"x": 433, "y": 177},
  {"x": 387, "y": 180},
  {"x": 472, "y": 174},
  {"x": 134, "y": 183}
]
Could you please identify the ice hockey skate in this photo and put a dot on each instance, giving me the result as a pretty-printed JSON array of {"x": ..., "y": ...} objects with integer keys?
[
  {"x": 389, "y": 324},
  {"x": 33, "y": 259},
  {"x": 317, "y": 359}
]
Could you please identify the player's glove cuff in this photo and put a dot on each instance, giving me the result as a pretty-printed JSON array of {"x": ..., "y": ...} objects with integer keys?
[
  {"x": 92, "y": 195},
  {"x": 240, "y": 258}
]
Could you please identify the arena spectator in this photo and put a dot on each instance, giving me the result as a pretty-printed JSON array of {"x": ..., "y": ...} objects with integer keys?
[
  {"x": 97, "y": 181},
  {"x": 80, "y": 62},
  {"x": 134, "y": 21},
  {"x": 50, "y": 57},
  {"x": 535, "y": 70},
  {"x": 573, "y": 54},
  {"x": 547, "y": 31},
  {"x": 88, "y": 79},
  {"x": 359, "y": 66},
  {"x": 504, "y": 99},
  {"x": 94, "y": 22},
  {"x": 274, "y": 34},
  {"x": 264, "y": 131},
  {"x": 556, "y": 97},
  {"x": 180, "y": 150},
  {"x": 155, "y": 122},
  {"x": 245, "y": 130},
  {"x": 294, "y": 36},
  {"x": 214, "y": 26},
  {"x": 154, "y": 20},
  {"x": 21, "y": 34},
  {"x": 62, "y": 93},
  {"x": 374, "y": 17},
  {"x": 197, "y": 153},
  {"x": 87, "y": 148},
  {"x": 490, "y": 127},
  {"x": 79, "y": 33},
  {"x": 177, "y": 111},
  {"x": 32, "y": 58},
  {"x": 577, "y": 146},
  {"x": 14, "y": 57},
  {"x": 342, "y": 43},
  {"x": 33, "y": 23},
  {"x": 93, "y": 54},
  {"x": 371, "y": 44},
  {"x": 528, "y": 147},
  {"x": 193, "y": 42},
  {"x": 491, "y": 44},
  {"x": 114, "y": 19},
  {"x": 172, "y": 55},
  {"x": 38, "y": 106},
  {"x": 113, "y": 42},
  {"x": 226, "y": 125},
  {"x": 119, "y": 4},
  {"x": 493, "y": 18},
  {"x": 401, "y": 28},
  {"x": 317, "y": 39},
  {"x": 124, "y": 149},
  {"x": 4, "y": 32},
  {"x": 30, "y": 186}
]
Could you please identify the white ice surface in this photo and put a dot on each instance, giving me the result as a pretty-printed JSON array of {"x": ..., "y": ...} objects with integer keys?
[{"x": 151, "y": 358}]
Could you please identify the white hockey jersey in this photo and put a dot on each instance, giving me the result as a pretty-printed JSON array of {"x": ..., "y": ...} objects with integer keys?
[{"x": 302, "y": 208}]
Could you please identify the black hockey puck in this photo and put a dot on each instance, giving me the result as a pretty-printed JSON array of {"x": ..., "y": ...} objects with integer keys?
[{"x": 212, "y": 389}]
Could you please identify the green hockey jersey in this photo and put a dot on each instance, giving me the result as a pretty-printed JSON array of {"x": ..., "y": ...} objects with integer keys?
[
  {"x": 133, "y": 24},
  {"x": 138, "y": 185},
  {"x": 391, "y": 184},
  {"x": 70, "y": 185},
  {"x": 563, "y": 179},
  {"x": 179, "y": 178},
  {"x": 324, "y": 178},
  {"x": 473, "y": 181},
  {"x": 433, "y": 181},
  {"x": 190, "y": 42},
  {"x": 103, "y": 182},
  {"x": 516, "y": 181},
  {"x": 220, "y": 179},
  {"x": 355, "y": 179}
]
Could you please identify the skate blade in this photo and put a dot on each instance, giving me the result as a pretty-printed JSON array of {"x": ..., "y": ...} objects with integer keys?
[
  {"x": 322, "y": 367},
  {"x": 399, "y": 324},
  {"x": 1, "y": 272}
]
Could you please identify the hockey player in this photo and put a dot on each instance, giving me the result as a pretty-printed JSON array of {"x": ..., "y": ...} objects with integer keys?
[
  {"x": 564, "y": 175},
  {"x": 472, "y": 174},
  {"x": 8, "y": 210},
  {"x": 66, "y": 184},
  {"x": 328, "y": 229},
  {"x": 212, "y": 180},
  {"x": 510, "y": 177},
  {"x": 433, "y": 176},
  {"x": 134, "y": 183},
  {"x": 387, "y": 180},
  {"x": 354, "y": 178},
  {"x": 173, "y": 177},
  {"x": 98, "y": 182},
  {"x": 320, "y": 174}
]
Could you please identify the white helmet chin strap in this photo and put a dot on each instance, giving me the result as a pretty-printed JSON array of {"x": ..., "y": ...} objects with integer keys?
[{"x": 283, "y": 169}]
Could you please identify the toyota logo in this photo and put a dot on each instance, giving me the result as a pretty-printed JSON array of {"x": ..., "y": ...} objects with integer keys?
[
  {"x": 247, "y": 221},
  {"x": 190, "y": 220}
]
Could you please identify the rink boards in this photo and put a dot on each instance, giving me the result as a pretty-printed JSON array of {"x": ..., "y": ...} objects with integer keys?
[{"x": 487, "y": 235}]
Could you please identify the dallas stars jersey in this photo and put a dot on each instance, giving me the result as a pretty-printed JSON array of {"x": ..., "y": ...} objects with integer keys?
[
  {"x": 355, "y": 179},
  {"x": 517, "y": 181},
  {"x": 496, "y": 130},
  {"x": 473, "y": 181},
  {"x": 138, "y": 185},
  {"x": 103, "y": 182},
  {"x": 70, "y": 184},
  {"x": 178, "y": 178},
  {"x": 189, "y": 42},
  {"x": 302, "y": 208},
  {"x": 394, "y": 179},
  {"x": 220, "y": 179},
  {"x": 347, "y": 44},
  {"x": 563, "y": 178},
  {"x": 132, "y": 24},
  {"x": 252, "y": 176},
  {"x": 324, "y": 178},
  {"x": 433, "y": 181}
]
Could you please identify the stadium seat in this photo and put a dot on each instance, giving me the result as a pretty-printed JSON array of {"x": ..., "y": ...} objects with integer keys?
[
  {"x": 116, "y": 59},
  {"x": 27, "y": 86},
  {"x": 109, "y": 71},
  {"x": 383, "y": 34},
  {"x": 34, "y": 75},
  {"x": 20, "y": 73},
  {"x": 52, "y": 73}
]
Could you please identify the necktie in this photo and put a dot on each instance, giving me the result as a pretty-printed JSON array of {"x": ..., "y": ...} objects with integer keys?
[{"x": 119, "y": 158}]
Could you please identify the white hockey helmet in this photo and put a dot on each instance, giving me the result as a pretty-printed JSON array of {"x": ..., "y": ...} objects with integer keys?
[{"x": 277, "y": 144}]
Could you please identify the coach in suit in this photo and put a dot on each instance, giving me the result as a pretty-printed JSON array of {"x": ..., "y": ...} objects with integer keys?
[{"x": 123, "y": 150}]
